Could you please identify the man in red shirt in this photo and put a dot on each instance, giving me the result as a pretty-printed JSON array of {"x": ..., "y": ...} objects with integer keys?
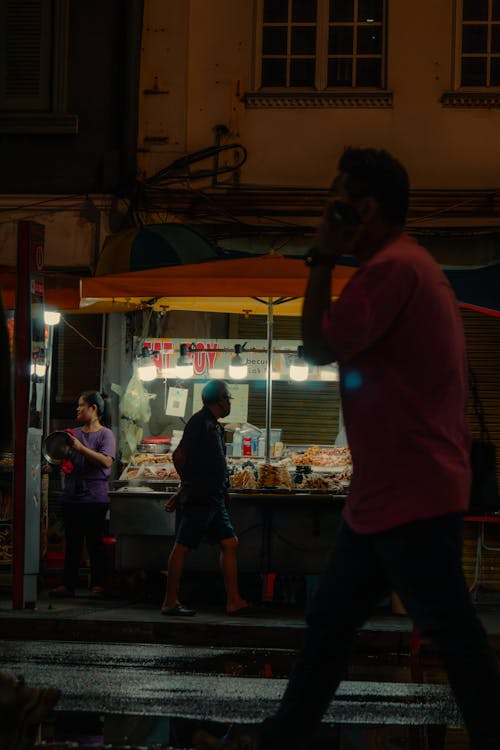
[{"x": 397, "y": 336}]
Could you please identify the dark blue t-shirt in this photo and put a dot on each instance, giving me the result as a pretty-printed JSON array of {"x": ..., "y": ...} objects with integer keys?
[{"x": 203, "y": 444}]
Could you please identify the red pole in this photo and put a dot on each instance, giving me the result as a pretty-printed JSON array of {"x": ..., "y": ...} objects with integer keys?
[{"x": 22, "y": 357}]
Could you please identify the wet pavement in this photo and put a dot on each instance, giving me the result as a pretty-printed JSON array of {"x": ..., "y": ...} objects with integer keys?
[
  {"x": 130, "y": 676},
  {"x": 197, "y": 687}
]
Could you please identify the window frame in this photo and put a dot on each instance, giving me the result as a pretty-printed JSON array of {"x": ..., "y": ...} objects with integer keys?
[
  {"x": 55, "y": 119},
  {"x": 321, "y": 57},
  {"x": 458, "y": 56}
]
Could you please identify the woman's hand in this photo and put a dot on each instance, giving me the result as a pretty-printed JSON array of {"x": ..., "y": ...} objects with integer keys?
[
  {"x": 76, "y": 445},
  {"x": 100, "y": 459}
]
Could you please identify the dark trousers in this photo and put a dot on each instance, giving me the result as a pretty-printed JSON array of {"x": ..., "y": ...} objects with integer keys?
[
  {"x": 421, "y": 562},
  {"x": 84, "y": 521}
]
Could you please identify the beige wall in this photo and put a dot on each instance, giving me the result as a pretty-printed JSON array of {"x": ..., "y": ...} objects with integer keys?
[{"x": 200, "y": 49}]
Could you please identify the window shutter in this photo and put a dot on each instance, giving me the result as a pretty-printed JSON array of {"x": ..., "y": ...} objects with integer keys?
[
  {"x": 306, "y": 412},
  {"x": 25, "y": 65}
]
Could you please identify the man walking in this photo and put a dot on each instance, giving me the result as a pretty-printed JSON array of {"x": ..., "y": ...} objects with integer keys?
[
  {"x": 200, "y": 460},
  {"x": 397, "y": 336}
]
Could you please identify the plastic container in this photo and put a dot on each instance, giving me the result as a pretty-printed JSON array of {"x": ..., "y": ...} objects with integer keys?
[
  {"x": 237, "y": 443},
  {"x": 278, "y": 449},
  {"x": 247, "y": 445}
]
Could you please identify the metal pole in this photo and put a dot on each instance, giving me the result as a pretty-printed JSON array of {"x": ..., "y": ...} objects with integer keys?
[
  {"x": 48, "y": 381},
  {"x": 103, "y": 351},
  {"x": 269, "y": 384}
]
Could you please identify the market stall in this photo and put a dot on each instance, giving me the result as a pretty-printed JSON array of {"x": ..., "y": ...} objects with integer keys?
[
  {"x": 269, "y": 285},
  {"x": 285, "y": 511},
  {"x": 266, "y": 285}
]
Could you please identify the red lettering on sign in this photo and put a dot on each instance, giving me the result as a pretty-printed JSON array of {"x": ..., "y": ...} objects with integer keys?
[
  {"x": 199, "y": 359},
  {"x": 211, "y": 355}
]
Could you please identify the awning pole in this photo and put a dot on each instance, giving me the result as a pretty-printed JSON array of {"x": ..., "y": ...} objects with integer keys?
[{"x": 269, "y": 384}]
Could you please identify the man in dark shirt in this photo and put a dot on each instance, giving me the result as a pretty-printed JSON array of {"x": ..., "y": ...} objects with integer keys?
[{"x": 200, "y": 460}]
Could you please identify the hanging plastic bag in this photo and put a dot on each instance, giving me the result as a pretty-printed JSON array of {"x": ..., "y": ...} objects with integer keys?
[{"x": 134, "y": 403}]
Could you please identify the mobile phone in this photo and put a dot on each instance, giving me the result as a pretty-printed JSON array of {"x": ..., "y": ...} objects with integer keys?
[{"x": 345, "y": 213}]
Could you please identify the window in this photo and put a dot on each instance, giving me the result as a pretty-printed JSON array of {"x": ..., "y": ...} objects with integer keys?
[
  {"x": 479, "y": 36},
  {"x": 33, "y": 67},
  {"x": 321, "y": 44}
]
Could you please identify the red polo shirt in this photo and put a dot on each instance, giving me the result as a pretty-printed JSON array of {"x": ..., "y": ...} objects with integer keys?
[{"x": 398, "y": 337}]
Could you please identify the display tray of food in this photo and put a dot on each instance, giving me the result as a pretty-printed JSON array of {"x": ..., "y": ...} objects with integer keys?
[
  {"x": 329, "y": 457},
  {"x": 159, "y": 469},
  {"x": 287, "y": 491},
  {"x": 141, "y": 458},
  {"x": 6, "y": 461},
  {"x": 251, "y": 475}
]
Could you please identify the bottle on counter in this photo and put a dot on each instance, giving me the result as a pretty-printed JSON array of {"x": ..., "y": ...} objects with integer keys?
[
  {"x": 247, "y": 445},
  {"x": 237, "y": 443},
  {"x": 278, "y": 449},
  {"x": 262, "y": 447}
]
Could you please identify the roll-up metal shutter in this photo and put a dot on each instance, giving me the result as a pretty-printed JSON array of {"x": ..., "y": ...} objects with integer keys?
[
  {"x": 482, "y": 333},
  {"x": 307, "y": 412},
  {"x": 25, "y": 70}
]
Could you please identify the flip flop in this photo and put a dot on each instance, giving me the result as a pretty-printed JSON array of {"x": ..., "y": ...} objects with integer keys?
[{"x": 243, "y": 611}]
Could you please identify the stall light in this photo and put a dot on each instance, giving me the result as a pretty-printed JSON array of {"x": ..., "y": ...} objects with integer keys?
[
  {"x": 238, "y": 367},
  {"x": 299, "y": 369},
  {"x": 146, "y": 368},
  {"x": 52, "y": 317},
  {"x": 38, "y": 369},
  {"x": 184, "y": 366}
]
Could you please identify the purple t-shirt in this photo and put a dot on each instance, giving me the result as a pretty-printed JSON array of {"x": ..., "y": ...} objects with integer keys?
[{"x": 88, "y": 483}]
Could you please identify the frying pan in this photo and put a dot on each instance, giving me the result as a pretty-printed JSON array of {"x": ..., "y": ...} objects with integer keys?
[{"x": 56, "y": 447}]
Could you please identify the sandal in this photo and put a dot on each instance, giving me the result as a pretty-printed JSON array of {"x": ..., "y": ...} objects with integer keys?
[{"x": 97, "y": 592}]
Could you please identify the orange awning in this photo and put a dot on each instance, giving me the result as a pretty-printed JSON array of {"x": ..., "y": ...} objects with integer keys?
[
  {"x": 265, "y": 276},
  {"x": 61, "y": 291}
]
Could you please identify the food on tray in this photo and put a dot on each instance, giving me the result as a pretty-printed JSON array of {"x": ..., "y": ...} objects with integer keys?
[
  {"x": 329, "y": 482},
  {"x": 345, "y": 476},
  {"x": 130, "y": 474},
  {"x": 316, "y": 456},
  {"x": 274, "y": 475},
  {"x": 166, "y": 472},
  {"x": 244, "y": 479},
  {"x": 138, "y": 459}
]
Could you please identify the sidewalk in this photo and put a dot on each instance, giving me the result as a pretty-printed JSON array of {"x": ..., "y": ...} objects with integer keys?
[{"x": 116, "y": 620}]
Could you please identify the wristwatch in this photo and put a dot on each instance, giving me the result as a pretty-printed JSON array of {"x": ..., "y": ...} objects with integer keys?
[{"x": 315, "y": 257}]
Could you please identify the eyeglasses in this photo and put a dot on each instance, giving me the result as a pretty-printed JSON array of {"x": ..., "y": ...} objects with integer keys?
[{"x": 227, "y": 395}]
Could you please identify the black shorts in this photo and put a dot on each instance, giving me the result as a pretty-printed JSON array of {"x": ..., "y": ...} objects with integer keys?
[{"x": 196, "y": 520}]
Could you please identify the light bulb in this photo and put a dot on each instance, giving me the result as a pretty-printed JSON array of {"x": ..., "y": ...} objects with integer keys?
[
  {"x": 238, "y": 367},
  {"x": 184, "y": 367},
  {"x": 38, "y": 369},
  {"x": 299, "y": 369},
  {"x": 146, "y": 368},
  {"x": 146, "y": 371},
  {"x": 52, "y": 317}
]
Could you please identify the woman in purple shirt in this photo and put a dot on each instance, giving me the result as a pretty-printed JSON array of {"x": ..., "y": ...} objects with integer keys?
[{"x": 85, "y": 495}]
